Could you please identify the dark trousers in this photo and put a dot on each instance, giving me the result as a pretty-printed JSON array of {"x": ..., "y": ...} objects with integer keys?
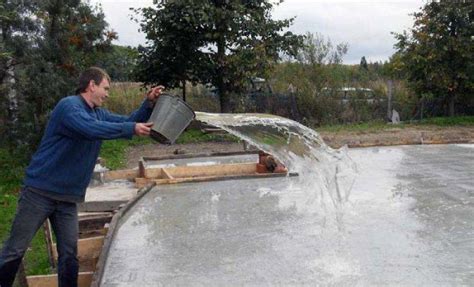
[{"x": 33, "y": 209}]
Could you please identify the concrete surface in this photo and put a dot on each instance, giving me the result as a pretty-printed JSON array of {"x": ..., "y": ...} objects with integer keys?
[
  {"x": 111, "y": 191},
  {"x": 408, "y": 221}
]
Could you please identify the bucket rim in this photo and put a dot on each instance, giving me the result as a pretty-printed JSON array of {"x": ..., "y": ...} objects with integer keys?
[{"x": 177, "y": 97}]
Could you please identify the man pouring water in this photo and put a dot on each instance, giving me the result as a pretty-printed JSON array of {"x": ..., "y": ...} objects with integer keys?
[{"x": 60, "y": 170}]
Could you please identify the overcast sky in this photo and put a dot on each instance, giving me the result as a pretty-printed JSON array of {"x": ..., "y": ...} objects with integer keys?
[{"x": 365, "y": 25}]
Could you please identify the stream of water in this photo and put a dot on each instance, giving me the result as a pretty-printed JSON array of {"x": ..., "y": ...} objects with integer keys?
[{"x": 325, "y": 174}]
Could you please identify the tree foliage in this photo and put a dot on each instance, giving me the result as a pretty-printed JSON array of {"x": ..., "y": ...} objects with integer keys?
[
  {"x": 318, "y": 50},
  {"x": 45, "y": 44},
  {"x": 222, "y": 42},
  {"x": 437, "y": 54},
  {"x": 119, "y": 62},
  {"x": 363, "y": 64}
]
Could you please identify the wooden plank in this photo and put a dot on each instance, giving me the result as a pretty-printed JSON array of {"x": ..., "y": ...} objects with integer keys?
[
  {"x": 120, "y": 174},
  {"x": 165, "y": 174},
  {"x": 88, "y": 251},
  {"x": 49, "y": 242},
  {"x": 141, "y": 182},
  {"x": 86, "y": 248},
  {"x": 153, "y": 172},
  {"x": 21, "y": 276},
  {"x": 94, "y": 214},
  {"x": 84, "y": 280},
  {"x": 216, "y": 178},
  {"x": 94, "y": 222},
  {"x": 212, "y": 170},
  {"x": 92, "y": 233},
  {"x": 141, "y": 168}
]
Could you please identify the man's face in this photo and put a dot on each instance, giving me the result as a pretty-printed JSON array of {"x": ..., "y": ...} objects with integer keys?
[{"x": 99, "y": 92}]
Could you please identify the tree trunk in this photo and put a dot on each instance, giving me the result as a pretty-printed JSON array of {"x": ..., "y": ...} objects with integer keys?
[
  {"x": 422, "y": 108},
  {"x": 451, "y": 104},
  {"x": 184, "y": 90},
  {"x": 9, "y": 81},
  {"x": 220, "y": 81},
  {"x": 223, "y": 95}
]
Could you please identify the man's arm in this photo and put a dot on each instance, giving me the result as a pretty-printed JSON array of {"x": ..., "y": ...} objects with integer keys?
[{"x": 77, "y": 123}]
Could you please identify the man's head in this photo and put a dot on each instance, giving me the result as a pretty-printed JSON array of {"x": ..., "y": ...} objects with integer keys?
[{"x": 94, "y": 86}]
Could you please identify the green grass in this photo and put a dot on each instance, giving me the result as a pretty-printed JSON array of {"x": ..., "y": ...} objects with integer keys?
[
  {"x": 197, "y": 136},
  {"x": 114, "y": 151},
  {"x": 375, "y": 126},
  {"x": 12, "y": 168}
]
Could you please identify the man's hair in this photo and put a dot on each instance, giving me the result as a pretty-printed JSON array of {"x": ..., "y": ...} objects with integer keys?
[{"x": 95, "y": 74}]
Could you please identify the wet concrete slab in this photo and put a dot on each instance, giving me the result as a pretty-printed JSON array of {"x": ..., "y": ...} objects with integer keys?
[{"x": 408, "y": 221}]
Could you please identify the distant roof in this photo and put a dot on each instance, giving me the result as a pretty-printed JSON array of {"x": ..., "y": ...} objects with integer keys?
[{"x": 258, "y": 80}]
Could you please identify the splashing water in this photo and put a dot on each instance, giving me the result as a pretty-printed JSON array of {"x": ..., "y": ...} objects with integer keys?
[{"x": 322, "y": 170}]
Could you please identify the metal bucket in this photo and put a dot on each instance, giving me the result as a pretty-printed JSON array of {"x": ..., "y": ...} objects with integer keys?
[{"x": 170, "y": 117}]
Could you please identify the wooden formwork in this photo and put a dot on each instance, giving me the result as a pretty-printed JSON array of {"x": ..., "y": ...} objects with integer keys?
[
  {"x": 98, "y": 220},
  {"x": 180, "y": 174},
  {"x": 84, "y": 280}
]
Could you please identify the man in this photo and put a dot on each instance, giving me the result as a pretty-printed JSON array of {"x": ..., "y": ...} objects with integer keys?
[{"x": 61, "y": 168}]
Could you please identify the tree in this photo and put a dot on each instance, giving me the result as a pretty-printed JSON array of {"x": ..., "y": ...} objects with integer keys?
[
  {"x": 15, "y": 40},
  {"x": 47, "y": 43},
  {"x": 320, "y": 59},
  {"x": 317, "y": 50},
  {"x": 363, "y": 64},
  {"x": 437, "y": 55},
  {"x": 119, "y": 63},
  {"x": 223, "y": 42}
]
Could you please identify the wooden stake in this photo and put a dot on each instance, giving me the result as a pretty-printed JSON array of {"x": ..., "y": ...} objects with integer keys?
[{"x": 49, "y": 243}]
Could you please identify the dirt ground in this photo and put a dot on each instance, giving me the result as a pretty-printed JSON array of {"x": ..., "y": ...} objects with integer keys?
[{"x": 394, "y": 136}]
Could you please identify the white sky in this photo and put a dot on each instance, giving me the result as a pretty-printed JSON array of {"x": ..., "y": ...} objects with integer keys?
[{"x": 364, "y": 25}]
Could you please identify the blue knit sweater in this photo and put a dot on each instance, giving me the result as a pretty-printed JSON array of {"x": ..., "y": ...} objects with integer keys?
[{"x": 66, "y": 156}]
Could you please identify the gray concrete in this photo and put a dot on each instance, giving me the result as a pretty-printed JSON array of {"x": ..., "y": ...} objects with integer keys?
[
  {"x": 408, "y": 221},
  {"x": 111, "y": 191}
]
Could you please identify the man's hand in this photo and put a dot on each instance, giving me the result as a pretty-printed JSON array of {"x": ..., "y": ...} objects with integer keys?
[
  {"x": 153, "y": 94},
  {"x": 143, "y": 129}
]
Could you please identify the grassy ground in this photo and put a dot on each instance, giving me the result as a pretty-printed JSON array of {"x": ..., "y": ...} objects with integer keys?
[
  {"x": 11, "y": 173},
  {"x": 376, "y": 126}
]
